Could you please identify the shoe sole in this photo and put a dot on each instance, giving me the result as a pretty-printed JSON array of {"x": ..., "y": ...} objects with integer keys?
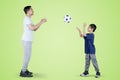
[
  {"x": 84, "y": 75},
  {"x": 97, "y": 76},
  {"x": 26, "y": 76}
]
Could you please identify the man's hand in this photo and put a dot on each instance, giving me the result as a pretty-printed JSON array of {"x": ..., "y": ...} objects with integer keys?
[
  {"x": 43, "y": 20},
  {"x": 35, "y": 27}
]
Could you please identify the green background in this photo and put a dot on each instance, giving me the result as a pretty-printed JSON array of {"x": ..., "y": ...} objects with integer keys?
[{"x": 58, "y": 52}]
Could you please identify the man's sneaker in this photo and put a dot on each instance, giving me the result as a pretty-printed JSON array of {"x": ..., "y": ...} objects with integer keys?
[
  {"x": 28, "y": 72},
  {"x": 85, "y": 74},
  {"x": 97, "y": 75},
  {"x": 25, "y": 74}
]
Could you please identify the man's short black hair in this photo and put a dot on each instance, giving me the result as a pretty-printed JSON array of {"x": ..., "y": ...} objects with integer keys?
[
  {"x": 93, "y": 26},
  {"x": 26, "y": 8}
]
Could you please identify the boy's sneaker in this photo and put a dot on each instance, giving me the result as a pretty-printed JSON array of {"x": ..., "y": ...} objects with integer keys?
[
  {"x": 85, "y": 74},
  {"x": 97, "y": 75},
  {"x": 25, "y": 74}
]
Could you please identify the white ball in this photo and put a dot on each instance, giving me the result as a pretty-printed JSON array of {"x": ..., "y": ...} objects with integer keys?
[{"x": 67, "y": 18}]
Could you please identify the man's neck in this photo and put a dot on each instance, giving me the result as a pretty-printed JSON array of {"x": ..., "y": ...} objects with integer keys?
[{"x": 28, "y": 15}]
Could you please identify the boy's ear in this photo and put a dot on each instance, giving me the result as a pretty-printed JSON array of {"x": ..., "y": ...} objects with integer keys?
[{"x": 92, "y": 29}]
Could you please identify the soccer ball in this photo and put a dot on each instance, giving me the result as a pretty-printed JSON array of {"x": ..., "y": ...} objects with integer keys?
[{"x": 67, "y": 18}]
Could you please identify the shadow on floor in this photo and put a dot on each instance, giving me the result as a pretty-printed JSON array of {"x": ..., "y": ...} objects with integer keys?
[{"x": 39, "y": 75}]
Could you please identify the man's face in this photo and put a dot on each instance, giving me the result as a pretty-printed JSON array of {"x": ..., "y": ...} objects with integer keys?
[{"x": 31, "y": 12}]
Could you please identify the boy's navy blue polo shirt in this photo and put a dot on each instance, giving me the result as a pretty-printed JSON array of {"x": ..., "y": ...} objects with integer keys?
[{"x": 89, "y": 43}]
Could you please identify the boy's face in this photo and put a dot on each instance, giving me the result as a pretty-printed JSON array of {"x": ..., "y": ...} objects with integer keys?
[
  {"x": 30, "y": 12},
  {"x": 90, "y": 29}
]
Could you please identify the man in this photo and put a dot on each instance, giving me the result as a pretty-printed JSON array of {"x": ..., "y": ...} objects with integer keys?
[{"x": 27, "y": 39}]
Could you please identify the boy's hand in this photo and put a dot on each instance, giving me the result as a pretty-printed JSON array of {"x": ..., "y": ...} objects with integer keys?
[
  {"x": 78, "y": 29},
  {"x": 84, "y": 24},
  {"x": 81, "y": 35}
]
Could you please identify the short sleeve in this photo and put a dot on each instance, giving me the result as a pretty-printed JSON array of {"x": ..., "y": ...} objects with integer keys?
[
  {"x": 90, "y": 36},
  {"x": 28, "y": 21}
]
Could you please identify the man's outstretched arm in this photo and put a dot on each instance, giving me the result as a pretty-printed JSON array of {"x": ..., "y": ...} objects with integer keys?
[{"x": 35, "y": 27}]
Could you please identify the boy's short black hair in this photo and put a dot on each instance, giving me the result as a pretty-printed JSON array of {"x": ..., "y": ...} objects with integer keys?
[
  {"x": 26, "y": 8},
  {"x": 93, "y": 26}
]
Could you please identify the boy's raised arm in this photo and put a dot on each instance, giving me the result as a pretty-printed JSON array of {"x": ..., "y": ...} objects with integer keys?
[
  {"x": 79, "y": 32},
  {"x": 84, "y": 26}
]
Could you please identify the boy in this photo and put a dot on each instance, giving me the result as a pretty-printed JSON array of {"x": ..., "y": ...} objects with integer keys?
[
  {"x": 89, "y": 49},
  {"x": 27, "y": 39}
]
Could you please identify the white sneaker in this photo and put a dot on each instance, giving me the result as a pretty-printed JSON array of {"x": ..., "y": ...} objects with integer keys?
[
  {"x": 85, "y": 74},
  {"x": 97, "y": 75}
]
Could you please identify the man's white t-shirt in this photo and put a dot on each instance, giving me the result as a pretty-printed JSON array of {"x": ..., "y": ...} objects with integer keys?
[{"x": 28, "y": 34}]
